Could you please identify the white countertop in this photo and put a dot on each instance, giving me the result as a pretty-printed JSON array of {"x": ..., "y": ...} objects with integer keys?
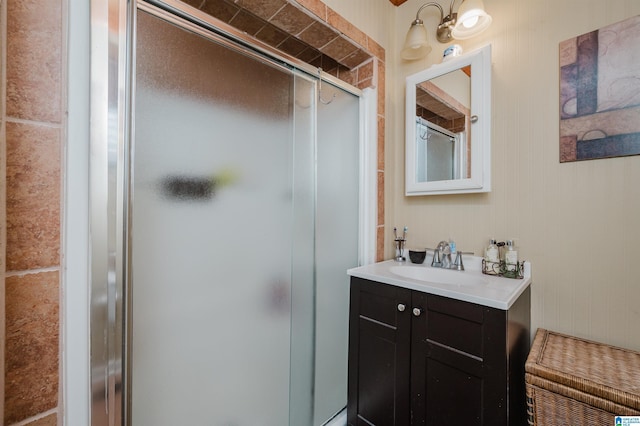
[{"x": 487, "y": 290}]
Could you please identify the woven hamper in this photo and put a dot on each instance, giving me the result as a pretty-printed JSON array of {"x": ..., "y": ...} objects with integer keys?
[{"x": 577, "y": 382}]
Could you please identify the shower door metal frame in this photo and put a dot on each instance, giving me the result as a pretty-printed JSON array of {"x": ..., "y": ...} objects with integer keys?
[
  {"x": 457, "y": 150},
  {"x": 112, "y": 67},
  {"x": 111, "y": 55}
]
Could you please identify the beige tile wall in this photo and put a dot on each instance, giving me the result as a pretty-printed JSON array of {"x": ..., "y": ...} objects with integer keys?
[
  {"x": 31, "y": 377},
  {"x": 33, "y": 131}
]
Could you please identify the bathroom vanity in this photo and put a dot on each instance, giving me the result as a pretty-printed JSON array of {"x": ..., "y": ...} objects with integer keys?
[{"x": 434, "y": 347}]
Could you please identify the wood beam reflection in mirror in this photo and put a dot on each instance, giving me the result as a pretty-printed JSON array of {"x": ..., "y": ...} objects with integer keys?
[{"x": 436, "y": 106}]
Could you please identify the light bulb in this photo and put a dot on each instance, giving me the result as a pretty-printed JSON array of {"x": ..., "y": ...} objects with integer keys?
[{"x": 470, "y": 22}]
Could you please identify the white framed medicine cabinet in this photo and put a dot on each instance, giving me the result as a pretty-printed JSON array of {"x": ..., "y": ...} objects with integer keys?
[{"x": 448, "y": 126}]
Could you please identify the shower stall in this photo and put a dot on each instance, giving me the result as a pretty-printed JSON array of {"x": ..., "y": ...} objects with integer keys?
[
  {"x": 226, "y": 207},
  {"x": 440, "y": 153}
]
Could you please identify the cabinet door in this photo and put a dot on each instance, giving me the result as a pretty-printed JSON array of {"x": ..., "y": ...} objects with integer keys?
[
  {"x": 454, "y": 376},
  {"x": 379, "y": 350}
]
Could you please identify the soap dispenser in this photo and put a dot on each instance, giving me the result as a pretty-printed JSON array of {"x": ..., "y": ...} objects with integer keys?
[
  {"x": 511, "y": 258},
  {"x": 491, "y": 259}
]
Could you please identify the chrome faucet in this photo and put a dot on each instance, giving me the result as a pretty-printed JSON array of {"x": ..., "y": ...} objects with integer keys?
[
  {"x": 457, "y": 263},
  {"x": 442, "y": 257}
]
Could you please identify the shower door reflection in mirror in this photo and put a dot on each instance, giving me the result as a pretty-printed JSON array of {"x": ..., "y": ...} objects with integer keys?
[{"x": 440, "y": 153}]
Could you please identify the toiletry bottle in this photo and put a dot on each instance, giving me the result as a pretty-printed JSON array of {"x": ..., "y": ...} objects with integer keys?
[
  {"x": 511, "y": 258},
  {"x": 491, "y": 258},
  {"x": 452, "y": 247},
  {"x": 501, "y": 249}
]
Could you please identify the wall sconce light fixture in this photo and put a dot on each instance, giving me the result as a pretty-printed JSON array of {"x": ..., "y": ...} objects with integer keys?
[{"x": 469, "y": 21}]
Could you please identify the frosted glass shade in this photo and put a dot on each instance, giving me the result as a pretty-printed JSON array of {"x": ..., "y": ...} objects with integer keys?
[
  {"x": 472, "y": 20},
  {"x": 416, "y": 45}
]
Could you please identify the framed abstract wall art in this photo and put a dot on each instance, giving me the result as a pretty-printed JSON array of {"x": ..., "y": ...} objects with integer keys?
[{"x": 600, "y": 93}]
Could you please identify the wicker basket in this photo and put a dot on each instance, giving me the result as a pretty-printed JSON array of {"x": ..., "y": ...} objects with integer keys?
[{"x": 572, "y": 381}]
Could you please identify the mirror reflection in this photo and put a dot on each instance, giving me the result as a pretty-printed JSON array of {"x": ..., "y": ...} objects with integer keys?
[
  {"x": 448, "y": 126},
  {"x": 442, "y": 127}
]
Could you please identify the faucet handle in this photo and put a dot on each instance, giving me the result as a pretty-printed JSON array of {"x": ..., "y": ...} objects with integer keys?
[
  {"x": 457, "y": 263},
  {"x": 436, "y": 262}
]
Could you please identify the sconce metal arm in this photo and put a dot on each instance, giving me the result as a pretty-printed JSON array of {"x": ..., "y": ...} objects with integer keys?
[
  {"x": 424, "y": 6},
  {"x": 443, "y": 33}
]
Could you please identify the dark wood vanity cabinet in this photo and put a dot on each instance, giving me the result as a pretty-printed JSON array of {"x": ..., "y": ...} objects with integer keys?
[{"x": 422, "y": 359}]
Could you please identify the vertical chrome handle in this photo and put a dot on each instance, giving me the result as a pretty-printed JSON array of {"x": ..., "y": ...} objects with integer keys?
[
  {"x": 401, "y": 307},
  {"x": 417, "y": 312}
]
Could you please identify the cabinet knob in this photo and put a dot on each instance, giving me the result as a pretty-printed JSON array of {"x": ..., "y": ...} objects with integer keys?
[
  {"x": 401, "y": 307},
  {"x": 417, "y": 312}
]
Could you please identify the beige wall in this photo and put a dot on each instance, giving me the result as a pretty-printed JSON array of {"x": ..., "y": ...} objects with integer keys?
[
  {"x": 576, "y": 222},
  {"x": 374, "y": 17}
]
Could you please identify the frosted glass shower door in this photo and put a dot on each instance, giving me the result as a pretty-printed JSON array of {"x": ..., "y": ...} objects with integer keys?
[
  {"x": 219, "y": 215},
  {"x": 337, "y": 225},
  {"x": 436, "y": 154}
]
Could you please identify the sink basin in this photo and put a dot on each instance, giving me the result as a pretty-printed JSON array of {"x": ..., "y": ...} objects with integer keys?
[
  {"x": 438, "y": 276},
  {"x": 470, "y": 285}
]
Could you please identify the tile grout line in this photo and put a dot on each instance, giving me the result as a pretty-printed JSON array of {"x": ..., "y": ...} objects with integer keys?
[
  {"x": 38, "y": 416},
  {"x": 34, "y": 271},
  {"x": 33, "y": 122}
]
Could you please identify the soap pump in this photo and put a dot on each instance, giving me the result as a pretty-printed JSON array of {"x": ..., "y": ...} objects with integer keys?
[
  {"x": 511, "y": 257},
  {"x": 491, "y": 264}
]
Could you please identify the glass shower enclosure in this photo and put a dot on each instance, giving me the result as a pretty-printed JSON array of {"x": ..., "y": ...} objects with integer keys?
[
  {"x": 239, "y": 214},
  {"x": 440, "y": 153}
]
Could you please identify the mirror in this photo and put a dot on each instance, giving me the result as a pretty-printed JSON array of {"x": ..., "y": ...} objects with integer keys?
[{"x": 448, "y": 127}]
